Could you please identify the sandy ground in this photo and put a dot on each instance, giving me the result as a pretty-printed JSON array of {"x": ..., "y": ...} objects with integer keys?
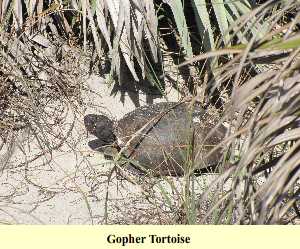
[{"x": 72, "y": 184}]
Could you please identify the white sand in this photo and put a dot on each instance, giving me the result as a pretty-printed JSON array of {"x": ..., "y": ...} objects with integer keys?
[{"x": 69, "y": 186}]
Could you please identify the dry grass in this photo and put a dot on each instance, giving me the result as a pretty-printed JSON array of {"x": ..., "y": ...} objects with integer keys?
[
  {"x": 259, "y": 83},
  {"x": 264, "y": 113}
]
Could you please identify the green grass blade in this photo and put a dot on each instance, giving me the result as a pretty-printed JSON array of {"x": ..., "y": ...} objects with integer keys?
[
  {"x": 203, "y": 24},
  {"x": 178, "y": 13},
  {"x": 221, "y": 15}
]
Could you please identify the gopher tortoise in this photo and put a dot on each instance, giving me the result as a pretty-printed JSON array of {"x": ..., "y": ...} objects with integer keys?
[{"x": 163, "y": 139}]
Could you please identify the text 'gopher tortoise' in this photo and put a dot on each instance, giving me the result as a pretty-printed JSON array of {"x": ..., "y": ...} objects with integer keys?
[{"x": 160, "y": 139}]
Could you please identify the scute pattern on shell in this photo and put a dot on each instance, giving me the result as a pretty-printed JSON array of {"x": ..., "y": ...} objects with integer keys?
[
  {"x": 135, "y": 120},
  {"x": 165, "y": 143}
]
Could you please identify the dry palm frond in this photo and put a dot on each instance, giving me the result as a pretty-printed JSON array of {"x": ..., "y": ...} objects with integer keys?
[
  {"x": 264, "y": 111},
  {"x": 126, "y": 27}
]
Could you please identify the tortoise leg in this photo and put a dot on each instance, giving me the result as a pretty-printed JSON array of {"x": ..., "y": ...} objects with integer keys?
[{"x": 109, "y": 151}]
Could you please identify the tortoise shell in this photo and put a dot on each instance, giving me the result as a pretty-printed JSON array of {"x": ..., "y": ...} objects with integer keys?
[{"x": 167, "y": 138}]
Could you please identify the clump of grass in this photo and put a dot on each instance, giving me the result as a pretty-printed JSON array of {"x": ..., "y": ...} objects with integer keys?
[{"x": 264, "y": 112}]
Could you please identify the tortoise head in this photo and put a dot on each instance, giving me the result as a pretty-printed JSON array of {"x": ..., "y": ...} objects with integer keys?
[{"x": 101, "y": 127}]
